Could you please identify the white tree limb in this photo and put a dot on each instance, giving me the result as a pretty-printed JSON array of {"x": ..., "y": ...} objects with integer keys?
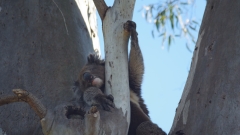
[{"x": 116, "y": 53}]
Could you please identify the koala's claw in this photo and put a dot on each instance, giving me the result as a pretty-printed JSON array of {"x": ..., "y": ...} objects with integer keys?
[
  {"x": 110, "y": 97},
  {"x": 129, "y": 26},
  {"x": 105, "y": 101}
]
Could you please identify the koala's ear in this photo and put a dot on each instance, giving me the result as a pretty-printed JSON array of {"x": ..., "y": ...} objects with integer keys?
[
  {"x": 91, "y": 58},
  {"x": 95, "y": 59}
]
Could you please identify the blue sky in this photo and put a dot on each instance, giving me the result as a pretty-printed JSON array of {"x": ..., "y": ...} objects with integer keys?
[{"x": 166, "y": 70}]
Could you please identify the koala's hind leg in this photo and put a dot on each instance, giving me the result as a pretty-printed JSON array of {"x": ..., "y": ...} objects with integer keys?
[{"x": 149, "y": 128}]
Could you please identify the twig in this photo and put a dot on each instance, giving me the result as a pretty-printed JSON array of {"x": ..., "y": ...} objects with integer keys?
[
  {"x": 22, "y": 95},
  {"x": 8, "y": 99}
]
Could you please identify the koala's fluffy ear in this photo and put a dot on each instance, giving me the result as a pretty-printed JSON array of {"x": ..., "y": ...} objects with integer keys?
[{"x": 95, "y": 59}]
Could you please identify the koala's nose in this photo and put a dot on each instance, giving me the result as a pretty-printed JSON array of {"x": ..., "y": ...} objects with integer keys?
[{"x": 88, "y": 77}]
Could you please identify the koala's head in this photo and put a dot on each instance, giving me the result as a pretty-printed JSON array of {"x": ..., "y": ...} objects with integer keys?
[{"x": 93, "y": 73}]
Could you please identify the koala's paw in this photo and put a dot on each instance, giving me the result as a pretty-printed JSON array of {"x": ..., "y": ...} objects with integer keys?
[
  {"x": 105, "y": 101},
  {"x": 129, "y": 26},
  {"x": 110, "y": 97}
]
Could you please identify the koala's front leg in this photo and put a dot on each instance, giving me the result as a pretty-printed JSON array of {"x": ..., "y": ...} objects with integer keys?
[
  {"x": 136, "y": 63},
  {"x": 94, "y": 96}
]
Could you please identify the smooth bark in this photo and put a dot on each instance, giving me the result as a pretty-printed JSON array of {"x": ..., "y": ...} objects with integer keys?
[
  {"x": 43, "y": 45},
  {"x": 101, "y": 8},
  {"x": 210, "y": 101},
  {"x": 116, "y": 53}
]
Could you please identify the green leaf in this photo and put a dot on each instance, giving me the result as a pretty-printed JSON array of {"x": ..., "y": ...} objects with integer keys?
[
  {"x": 195, "y": 22},
  {"x": 160, "y": 6},
  {"x": 177, "y": 35},
  {"x": 152, "y": 33},
  {"x": 161, "y": 34},
  {"x": 184, "y": 3},
  {"x": 172, "y": 2},
  {"x": 179, "y": 10},
  {"x": 146, "y": 15},
  {"x": 171, "y": 17},
  {"x": 162, "y": 20},
  {"x": 169, "y": 40},
  {"x": 192, "y": 27},
  {"x": 190, "y": 34},
  {"x": 163, "y": 13},
  {"x": 157, "y": 24},
  {"x": 172, "y": 14},
  {"x": 177, "y": 21},
  {"x": 164, "y": 37}
]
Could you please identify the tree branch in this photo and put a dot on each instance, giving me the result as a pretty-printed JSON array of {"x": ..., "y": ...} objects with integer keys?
[
  {"x": 8, "y": 99},
  {"x": 92, "y": 121},
  {"x": 22, "y": 95},
  {"x": 124, "y": 8},
  {"x": 116, "y": 53},
  {"x": 101, "y": 8}
]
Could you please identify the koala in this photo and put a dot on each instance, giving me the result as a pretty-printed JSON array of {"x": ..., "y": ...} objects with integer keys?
[
  {"x": 91, "y": 81},
  {"x": 91, "y": 95}
]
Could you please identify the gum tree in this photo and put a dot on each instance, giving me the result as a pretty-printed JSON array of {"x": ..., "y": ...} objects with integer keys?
[
  {"x": 210, "y": 101},
  {"x": 43, "y": 46}
]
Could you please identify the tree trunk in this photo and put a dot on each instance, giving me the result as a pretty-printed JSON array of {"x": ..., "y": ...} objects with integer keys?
[
  {"x": 116, "y": 52},
  {"x": 43, "y": 47},
  {"x": 210, "y": 101}
]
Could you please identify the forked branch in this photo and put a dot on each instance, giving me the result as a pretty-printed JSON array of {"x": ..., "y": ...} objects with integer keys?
[{"x": 25, "y": 96}]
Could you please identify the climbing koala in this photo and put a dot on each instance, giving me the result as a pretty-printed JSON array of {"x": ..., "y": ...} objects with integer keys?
[{"x": 92, "y": 78}]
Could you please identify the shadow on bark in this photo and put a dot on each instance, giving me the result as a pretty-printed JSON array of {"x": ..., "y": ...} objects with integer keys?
[{"x": 42, "y": 53}]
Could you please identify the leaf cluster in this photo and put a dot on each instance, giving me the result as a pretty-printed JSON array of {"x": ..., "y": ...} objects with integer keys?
[{"x": 172, "y": 19}]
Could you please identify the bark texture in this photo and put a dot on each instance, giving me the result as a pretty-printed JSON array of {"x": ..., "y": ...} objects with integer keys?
[
  {"x": 210, "y": 103},
  {"x": 116, "y": 51},
  {"x": 43, "y": 47}
]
